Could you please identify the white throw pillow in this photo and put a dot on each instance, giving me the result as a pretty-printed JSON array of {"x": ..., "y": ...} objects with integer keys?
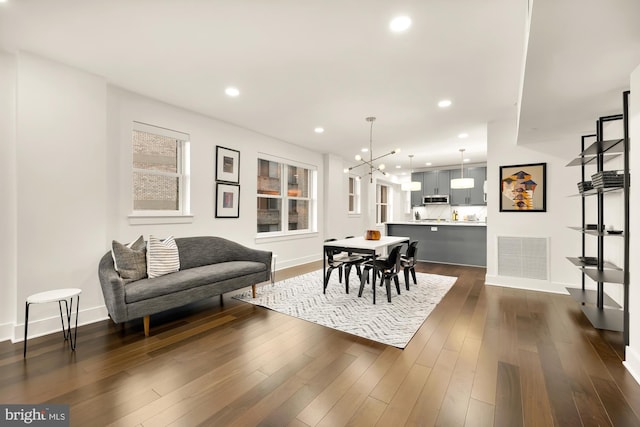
[{"x": 162, "y": 256}]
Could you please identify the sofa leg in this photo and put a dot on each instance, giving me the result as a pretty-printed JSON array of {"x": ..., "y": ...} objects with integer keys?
[
  {"x": 145, "y": 320},
  {"x": 253, "y": 290}
]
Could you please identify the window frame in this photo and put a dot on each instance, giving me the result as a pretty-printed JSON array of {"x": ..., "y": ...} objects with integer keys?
[
  {"x": 388, "y": 203},
  {"x": 311, "y": 199},
  {"x": 357, "y": 195},
  {"x": 183, "y": 175}
]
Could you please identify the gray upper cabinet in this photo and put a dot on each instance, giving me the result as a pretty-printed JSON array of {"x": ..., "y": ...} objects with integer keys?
[
  {"x": 436, "y": 182},
  {"x": 416, "y": 196},
  {"x": 472, "y": 196}
]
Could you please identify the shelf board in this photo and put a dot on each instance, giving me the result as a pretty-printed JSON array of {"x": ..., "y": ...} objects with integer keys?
[
  {"x": 590, "y": 296},
  {"x": 609, "y": 276},
  {"x": 586, "y": 160},
  {"x": 597, "y": 191},
  {"x": 596, "y": 233},
  {"x": 601, "y": 147},
  {"x": 608, "y": 265},
  {"x": 610, "y": 319}
]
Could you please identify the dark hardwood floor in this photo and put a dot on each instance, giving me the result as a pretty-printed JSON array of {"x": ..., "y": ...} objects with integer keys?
[{"x": 485, "y": 356}]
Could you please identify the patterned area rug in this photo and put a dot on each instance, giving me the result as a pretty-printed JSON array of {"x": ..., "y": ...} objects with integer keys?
[{"x": 392, "y": 323}]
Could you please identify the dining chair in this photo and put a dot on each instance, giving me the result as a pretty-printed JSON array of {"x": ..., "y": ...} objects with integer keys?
[
  {"x": 388, "y": 269},
  {"x": 408, "y": 263},
  {"x": 349, "y": 260},
  {"x": 332, "y": 264}
]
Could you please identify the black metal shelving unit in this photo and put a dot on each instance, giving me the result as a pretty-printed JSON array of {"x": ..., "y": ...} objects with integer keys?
[{"x": 600, "y": 309}]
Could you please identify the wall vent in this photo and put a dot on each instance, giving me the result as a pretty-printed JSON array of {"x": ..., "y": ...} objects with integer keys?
[{"x": 525, "y": 257}]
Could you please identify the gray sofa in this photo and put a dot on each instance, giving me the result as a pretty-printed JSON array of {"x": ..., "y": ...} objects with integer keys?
[{"x": 209, "y": 266}]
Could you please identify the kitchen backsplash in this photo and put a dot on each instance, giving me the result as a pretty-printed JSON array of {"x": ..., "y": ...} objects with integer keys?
[{"x": 444, "y": 212}]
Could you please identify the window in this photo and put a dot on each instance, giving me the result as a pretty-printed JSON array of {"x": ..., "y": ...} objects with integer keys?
[
  {"x": 160, "y": 171},
  {"x": 354, "y": 195},
  {"x": 296, "y": 193},
  {"x": 382, "y": 203}
]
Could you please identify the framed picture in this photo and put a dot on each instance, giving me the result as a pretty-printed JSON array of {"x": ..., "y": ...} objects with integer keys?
[
  {"x": 523, "y": 188},
  {"x": 227, "y": 200},
  {"x": 227, "y": 165}
]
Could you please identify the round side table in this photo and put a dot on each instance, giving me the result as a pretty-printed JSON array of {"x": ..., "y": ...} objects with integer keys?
[{"x": 56, "y": 295}]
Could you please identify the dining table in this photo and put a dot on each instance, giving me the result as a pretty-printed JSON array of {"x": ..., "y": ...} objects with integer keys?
[{"x": 360, "y": 245}]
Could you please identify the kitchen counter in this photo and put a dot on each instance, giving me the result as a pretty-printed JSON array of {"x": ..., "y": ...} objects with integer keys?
[
  {"x": 448, "y": 242},
  {"x": 441, "y": 222}
]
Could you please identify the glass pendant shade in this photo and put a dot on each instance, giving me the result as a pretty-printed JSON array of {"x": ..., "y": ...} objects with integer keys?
[
  {"x": 412, "y": 186},
  {"x": 462, "y": 182}
]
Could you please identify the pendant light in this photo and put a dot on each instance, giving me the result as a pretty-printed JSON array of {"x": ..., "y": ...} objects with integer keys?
[
  {"x": 462, "y": 182},
  {"x": 411, "y": 185},
  {"x": 369, "y": 163}
]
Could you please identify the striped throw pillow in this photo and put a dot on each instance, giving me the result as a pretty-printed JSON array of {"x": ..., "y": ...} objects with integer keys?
[{"x": 162, "y": 256}]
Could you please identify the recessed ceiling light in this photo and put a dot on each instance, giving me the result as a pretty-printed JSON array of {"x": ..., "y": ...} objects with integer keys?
[
  {"x": 444, "y": 103},
  {"x": 467, "y": 160},
  {"x": 400, "y": 23},
  {"x": 398, "y": 166},
  {"x": 463, "y": 135},
  {"x": 428, "y": 163},
  {"x": 364, "y": 150},
  {"x": 232, "y": 91},
  {"x": 318, "y": 130}
]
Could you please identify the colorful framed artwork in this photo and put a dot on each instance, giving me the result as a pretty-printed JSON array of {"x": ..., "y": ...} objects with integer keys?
[
  {"x": 523, "y": 188},
  {"x": 227, "y": 200},
  {"x": 227, "y": 165}
]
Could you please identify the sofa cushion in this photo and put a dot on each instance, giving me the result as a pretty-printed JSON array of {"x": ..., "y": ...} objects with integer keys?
[
  {"x": 162, "y": 256},
  {"x": 189, "y": 278},
  {"x": 130, "y": 260}
]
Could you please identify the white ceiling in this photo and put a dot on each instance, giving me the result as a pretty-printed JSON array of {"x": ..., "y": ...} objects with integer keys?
[{"x": 302, "y": 64}]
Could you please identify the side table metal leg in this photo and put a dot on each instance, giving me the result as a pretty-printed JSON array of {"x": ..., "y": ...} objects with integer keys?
[
  {"x": 64, "y": 329},
  {"x": 26, "y": 326},
  {"x": 74, "y": 341}
]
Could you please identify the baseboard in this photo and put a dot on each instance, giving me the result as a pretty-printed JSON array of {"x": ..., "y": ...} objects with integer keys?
[
  {"x": 50, "y": 325},
  {"x": 632, "y": 363},
  {"x": 296, "y": 262},
  {"x": 5, "y": 331},
  {"x": 526, "y": 284}
]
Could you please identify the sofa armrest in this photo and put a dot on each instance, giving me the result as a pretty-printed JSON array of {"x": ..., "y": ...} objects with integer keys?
[
  {"x": 112, "y": 289},
  {"x": 257, "y": 255}
]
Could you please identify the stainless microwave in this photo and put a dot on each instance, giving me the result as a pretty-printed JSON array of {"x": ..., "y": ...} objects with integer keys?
[{"x": 436, "y": 199}]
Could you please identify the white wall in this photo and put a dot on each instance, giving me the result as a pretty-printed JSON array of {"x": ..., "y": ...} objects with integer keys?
[
  {"x": 68, "y": 177},
  {"x": 61, "y": 181},
  {"x": 338, "y": 223},
  {"x": 206, "y": 133},
  {"x": 562, "y": 211},
  {"x": 632, "y": 354},
  {"x": 8, "y": 213}
]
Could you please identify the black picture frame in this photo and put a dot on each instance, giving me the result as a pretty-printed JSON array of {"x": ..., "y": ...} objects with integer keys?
[
  {"x": 227, "y": 165},
  {"x": 227, "y": 200},
  {"x": 523, "y": 188}
]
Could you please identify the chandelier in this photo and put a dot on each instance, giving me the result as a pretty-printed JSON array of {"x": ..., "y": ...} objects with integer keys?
[
  {"x": 462, "y": 182},
  {"x": 363, "y": 162}
]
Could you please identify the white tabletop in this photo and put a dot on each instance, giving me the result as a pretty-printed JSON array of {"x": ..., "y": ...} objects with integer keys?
[
  {"x": 362, "y": 243},
  {"x": 53, "y": 295}
]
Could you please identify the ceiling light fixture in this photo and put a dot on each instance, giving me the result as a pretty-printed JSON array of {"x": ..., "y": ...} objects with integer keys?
[
  {"x": 444, "y": 103},
  {"x": 411, "y": 185},
  {"x": 380, "y": 168},
  {"x": 463, "y": 135},
  {"x": 400, "y": 24},
  {"x": 462, "y": 182},
  {"x": 318, "y": 130},
  {"x": 232, "y": 91}
]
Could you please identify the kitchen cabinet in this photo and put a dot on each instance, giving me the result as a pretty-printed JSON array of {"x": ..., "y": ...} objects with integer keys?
[
  {"x": 446, "y": 242},
  {"x": 470, "y": 196},
  {"x": 416, "y": 196},
  {"x": 436, "y": 182}
]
